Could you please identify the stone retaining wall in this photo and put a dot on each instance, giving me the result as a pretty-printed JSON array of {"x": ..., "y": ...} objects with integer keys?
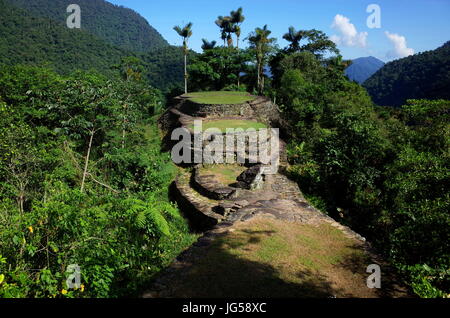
[
  {"x": 198, "y": 212},
  {"x": 217, "y": 111},
  {"x": 210, "y": 187}
]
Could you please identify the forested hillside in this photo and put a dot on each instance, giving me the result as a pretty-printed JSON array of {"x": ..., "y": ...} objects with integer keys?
[
  {"x": 164, "y": 67},
  {"x": 36, "y": 41},
  {"x": 33, "y": 40},
  {"x": 119, "y": 26},
  {"x": 424, "y": 75}
]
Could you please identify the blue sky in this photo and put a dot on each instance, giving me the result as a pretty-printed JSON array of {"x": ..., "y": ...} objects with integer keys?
[{"x": 407, "y": 26}]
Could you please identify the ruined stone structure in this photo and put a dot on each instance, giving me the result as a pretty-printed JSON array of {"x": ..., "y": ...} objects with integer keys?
[
  {"x": 208, "y": 203},
  {"x": 214, "y": 207}
]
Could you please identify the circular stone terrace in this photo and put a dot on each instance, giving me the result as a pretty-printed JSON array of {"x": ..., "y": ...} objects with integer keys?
[
  {"x": 235, "y": 103},
  {"x": 219, "y": 97}
]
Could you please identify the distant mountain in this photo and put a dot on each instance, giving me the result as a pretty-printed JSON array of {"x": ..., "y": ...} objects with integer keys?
[
  {"x": 119, "y": 26},
  {"x": 363, "y": 68},
  {"x": 425, "y": 75}
]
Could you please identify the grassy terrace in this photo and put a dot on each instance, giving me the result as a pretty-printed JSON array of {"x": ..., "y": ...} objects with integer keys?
[
  {"x": 222, "y": 97},
  {"x": 223, "y": 124},
  {"x": 226, "y": 174}
]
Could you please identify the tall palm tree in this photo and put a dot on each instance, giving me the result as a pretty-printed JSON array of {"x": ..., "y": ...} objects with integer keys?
[
  {"x": 294, "y": 37},
  {"x": 227, "y": 27},
  {"x": 262, "y": 44},
  {"x": 208, "y": 45},
  {"x": 237, "y": 18},
  {"x": 185, "y": 32},
  {"x": 220, "y": 22}
]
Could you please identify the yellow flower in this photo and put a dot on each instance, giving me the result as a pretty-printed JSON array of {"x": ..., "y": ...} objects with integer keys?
[
  {"x": 64, "y": 292},
  {"x": 30, "y": 228},
  {"x": 82, "y": 288}
]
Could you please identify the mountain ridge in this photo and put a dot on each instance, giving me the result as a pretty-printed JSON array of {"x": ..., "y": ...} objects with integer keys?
[
  {"x": 423, "y": 75},
  {"x": 33, "y": 40},
  {"x": 27, "y": 38},
  {"x": 132, "y": 32}
]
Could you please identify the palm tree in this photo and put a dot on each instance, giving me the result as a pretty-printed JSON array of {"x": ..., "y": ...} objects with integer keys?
[
  {"x": 294, "y": 37},
  {"x": 220, "y": 22},
  {"x": 185, "y": 33},
  {"x": 208, "y": 45},
  {"x": 237, "y": 18},
  {"x": 227, "y": 28},
  {"x": 338, "y": 63},
  {"x": 262, "y": 45}
]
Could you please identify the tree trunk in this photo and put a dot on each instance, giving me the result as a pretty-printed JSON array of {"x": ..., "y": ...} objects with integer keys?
[
  {"x": 124, "y": 125},
  {"x": 259, "y": 76},
  {"x": 21, "y": 198},
  {"x": 262, "y": 79},
  {"x": 257, "y": 73},
  {"x": 123, "y": 135},
  {"x": 86, "y": 163},
  {"x": 185, "y": 72}
]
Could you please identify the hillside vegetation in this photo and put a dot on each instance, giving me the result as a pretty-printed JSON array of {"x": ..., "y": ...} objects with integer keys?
[
  {"x": 82, "y": 181},
  {"x": 32, "y": 40},
  {"x": 424, "y": 75},
  {"x": 27, "y": 38},
  {"x": 118, "y": 26}
]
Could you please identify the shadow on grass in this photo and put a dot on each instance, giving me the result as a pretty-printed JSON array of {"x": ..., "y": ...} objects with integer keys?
[
  {"x": 220, "y": 273},
  {"x": 358, "y": 262}
]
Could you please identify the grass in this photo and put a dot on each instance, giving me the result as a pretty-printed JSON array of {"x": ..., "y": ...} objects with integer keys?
[
  {"x": 272, "y": 258},
  {"x": 226, "y": 174},
  {"x": 220, "y": 97},
  {"x": 224, "y": 124}
]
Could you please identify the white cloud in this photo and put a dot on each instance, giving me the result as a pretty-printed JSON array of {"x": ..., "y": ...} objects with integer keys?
[
  {"x": 400, "y": 46},
  {"x": 349, "y": 36}
]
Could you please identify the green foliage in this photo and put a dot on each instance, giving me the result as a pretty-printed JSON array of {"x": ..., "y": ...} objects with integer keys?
[
  {"x": 116, "y": 25},
  {"x": 121, "y": 230},
  {"x": 164, "y": 67},
  {"x": 317, "y": 42},
  {"x": 43, "y": 41},
  {"x": 383, "y": 172},
  {"x": 50, "y": 43},
  {"x": 218, "y": 68},
  {"x": 424, "y": 75},
  {"x": 262, "y": 46},
  {"x": 423, "y": 278}
]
